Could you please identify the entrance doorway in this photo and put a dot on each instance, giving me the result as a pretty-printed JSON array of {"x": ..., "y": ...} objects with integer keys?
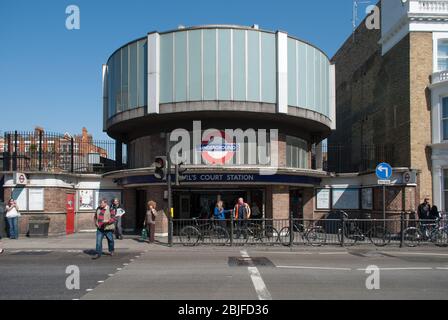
[
  {"x": 201, "y": 203},
  {"x": 140, "y": 209},
  {"x": 296, "y": 203}
]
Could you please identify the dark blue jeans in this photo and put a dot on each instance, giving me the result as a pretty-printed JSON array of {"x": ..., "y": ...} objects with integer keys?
[
  {"x": 100, "y": 234},
  {"x": 13, "y": 224}
]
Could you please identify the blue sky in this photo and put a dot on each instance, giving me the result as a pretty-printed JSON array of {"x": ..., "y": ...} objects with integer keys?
[{"x": 51, "y": 77}]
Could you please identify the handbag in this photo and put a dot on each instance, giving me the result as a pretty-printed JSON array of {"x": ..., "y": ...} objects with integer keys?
[{"x": 144, "y": 234}]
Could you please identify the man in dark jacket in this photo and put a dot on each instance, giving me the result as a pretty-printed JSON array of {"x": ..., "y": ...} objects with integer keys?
[{"x": 424, "y": 211}]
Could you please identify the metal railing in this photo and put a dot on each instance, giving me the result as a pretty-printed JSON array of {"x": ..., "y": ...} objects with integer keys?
[
  {"x": 345, "y": 232},
  {"x": 52, "y": 152}
]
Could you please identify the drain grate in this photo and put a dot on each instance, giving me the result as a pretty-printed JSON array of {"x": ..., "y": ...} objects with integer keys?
[{"x": 250, "y": 262}]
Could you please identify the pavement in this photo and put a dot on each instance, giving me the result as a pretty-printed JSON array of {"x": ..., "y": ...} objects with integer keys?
[{"x": 36, "y": 269}]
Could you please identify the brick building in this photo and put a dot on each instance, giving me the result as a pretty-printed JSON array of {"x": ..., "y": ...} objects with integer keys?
[{"x": 385, "y": 90}]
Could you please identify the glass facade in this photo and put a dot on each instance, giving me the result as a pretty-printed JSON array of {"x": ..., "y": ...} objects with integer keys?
[
  {"x": 296, "y": 153},
  {"x": 442, "y": 55},
  {"x": 445, "y": 119},
  {"x": 218, "y": 64},
  {"x": 126, "y": 80},
  {"x": 445, "y": 188}
]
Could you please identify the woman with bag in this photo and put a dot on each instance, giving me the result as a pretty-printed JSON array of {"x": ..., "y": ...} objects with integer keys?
[
  {"x": 12, "y": 215},
  {"x": 150, "y": 220}
]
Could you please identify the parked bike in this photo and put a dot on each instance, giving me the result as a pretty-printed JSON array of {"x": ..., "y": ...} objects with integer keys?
[
  {"x": 313, "y": 235},
  {"x": 351, "y": 233},
  {"x": 436, "y": 233},
  {"x": 191, "y": 235}
]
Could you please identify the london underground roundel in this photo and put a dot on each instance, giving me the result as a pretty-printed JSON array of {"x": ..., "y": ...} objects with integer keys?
[{"x": 217, "y": 148}]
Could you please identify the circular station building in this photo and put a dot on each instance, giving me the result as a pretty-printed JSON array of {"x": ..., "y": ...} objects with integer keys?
[{"x": 245, "y": 109}]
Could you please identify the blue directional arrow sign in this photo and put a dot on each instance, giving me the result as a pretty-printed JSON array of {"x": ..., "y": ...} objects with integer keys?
[{"x": 384, "y": 171}]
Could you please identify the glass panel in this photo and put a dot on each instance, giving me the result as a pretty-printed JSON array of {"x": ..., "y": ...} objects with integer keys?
[
  {"x": 124, "y": 78},
  {"x": 445, "y": 108},
  {"x": 303, "y": 79},
  {"x": 445, "y": 129},
  {"x": 166, "y": 68},
  {"x": 443, "y": 48},
  {"x": 195, "y": 68},
  {"x": 442, "y": 64},
  {"x": 209, "y": 64},
  {"x": 117, "y": 81},
  {"x": 239, "y": 66},
  {"x": 446, "y": 201},
  {"x": 180, "y": 66},
  {"x": 110, "y": 75},
  {"x": 224, "y": 64},
  {"x": 445, "y": 179},
  {"x": 311, "y": 104},
  {"x": 269, "y": 68},
  {"x": 142, "y": 73},
  {"x": 253, "y": 66},
  {"x": 292, "y": 74},
  {"x": 133, "y": 76}
]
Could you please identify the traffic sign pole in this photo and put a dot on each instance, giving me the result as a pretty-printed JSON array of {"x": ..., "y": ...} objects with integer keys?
[{"x": 170, "y": 199}]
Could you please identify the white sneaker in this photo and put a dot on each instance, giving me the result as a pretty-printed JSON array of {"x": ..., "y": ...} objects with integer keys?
[{"x": 1, "y": 251}]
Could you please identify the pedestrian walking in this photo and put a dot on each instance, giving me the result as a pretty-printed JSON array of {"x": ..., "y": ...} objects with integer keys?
[
  {"x": 119, "y": 213},
  {"x": 12, "y": 215},
  {"x": 105, "y": 222},
  {"x": 150, "y": 220},
  {"x": 241, "y": 214}
]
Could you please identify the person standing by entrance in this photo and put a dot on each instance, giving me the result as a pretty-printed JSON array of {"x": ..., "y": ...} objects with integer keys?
[
  {"x": 242, "y": 214},
  {"x": 150, "y": 220},
  {"x": 220, "y": 213},
  {"x": 424, "y": 211},
  {"x": 119, "y": 212},
  {"x": 12, "y": 215},
  {"x": 105, "y": 222}
]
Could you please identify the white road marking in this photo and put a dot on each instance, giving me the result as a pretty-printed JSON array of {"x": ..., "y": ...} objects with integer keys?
[
  {"x": 332, "y": 253},
  {"x": 442, "y": 268},
  {"x": 402, "y": 269},
  {"x": 420, "y": 253},
  {"x": 314, "y": 268},
  {"x": 100, "y": 281},
  {"x": 259, "y": 285},
  {"x": 88, "y": 290}
]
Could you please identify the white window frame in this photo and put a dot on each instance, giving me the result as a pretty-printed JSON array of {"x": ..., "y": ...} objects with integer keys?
[
  {"x": 437, "y": 36},
  {"x": 442, "y": 119},
  {"x": 444, "y": 189}
]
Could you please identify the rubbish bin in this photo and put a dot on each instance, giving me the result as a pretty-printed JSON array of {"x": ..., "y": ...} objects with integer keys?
[{"x": 38, "y": 226}]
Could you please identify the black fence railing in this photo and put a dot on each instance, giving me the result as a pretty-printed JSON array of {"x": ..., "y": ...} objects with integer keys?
[
  {"x": 402, "y": 232},
  {"x": 52, "y": 152},
  {"x": 348, "y": 158}
]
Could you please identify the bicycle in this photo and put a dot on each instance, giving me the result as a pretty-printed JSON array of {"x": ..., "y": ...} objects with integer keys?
[
  {"x": 351, "y": 233},
  {"x": 433, "y": 232},
  {"x": 313, "y": 235},
  {"x": 259, "y": 232},
  {"x": 191, "y": 235}
]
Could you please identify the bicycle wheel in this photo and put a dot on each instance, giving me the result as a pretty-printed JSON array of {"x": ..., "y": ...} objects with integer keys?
[
  {"x": 189, "y": 236},
  {"x": 379, "y": 236},
  {"x": 350, "y": 237},
  {"x": 316, "y": 236},
  {"x": 219, "y": 236},
  {"x": 412, "y": 237},
  {"x": 269, "y": 235},
  {"x": 440, "y": 238},
  {"x": 284, "y": 236}
]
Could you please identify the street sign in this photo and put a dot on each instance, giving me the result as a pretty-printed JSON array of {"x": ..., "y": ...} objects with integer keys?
[
  {"x": 384, "y": 182},
  {"x": 384, "y": 171}
]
